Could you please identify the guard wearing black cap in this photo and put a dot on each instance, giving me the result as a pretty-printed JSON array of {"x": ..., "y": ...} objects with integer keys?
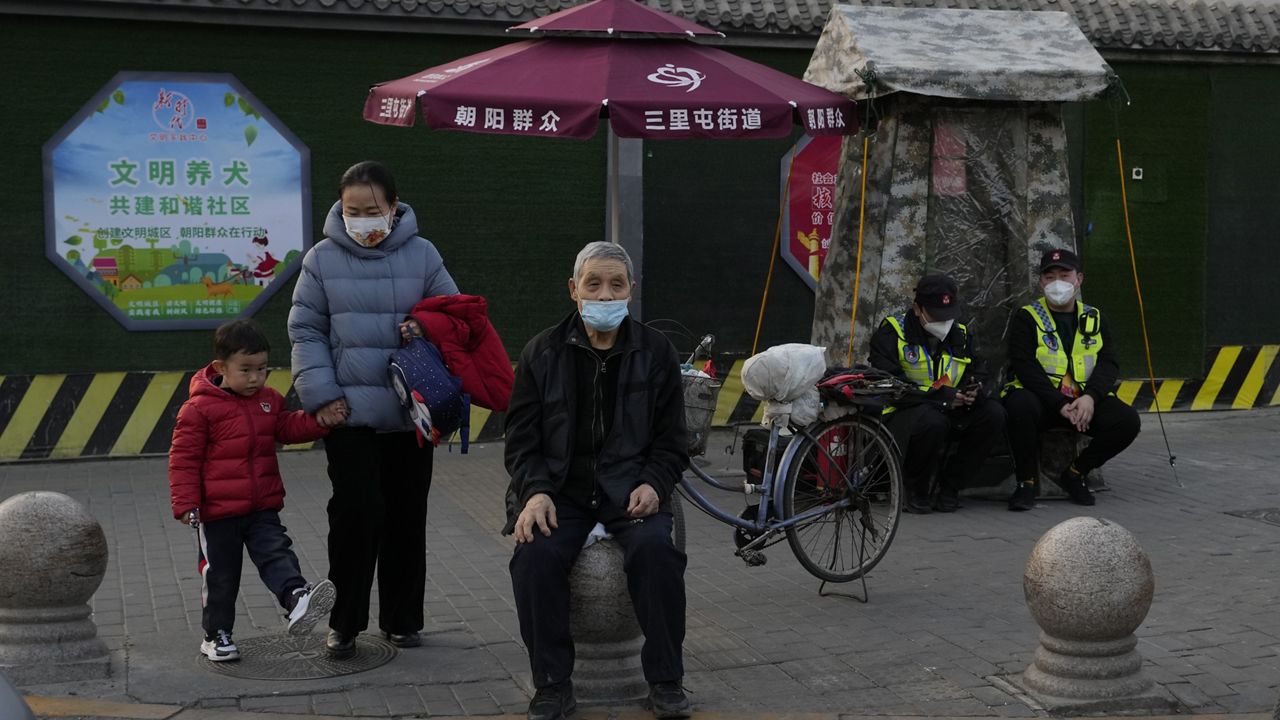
[
  {"x": 1064, "y": 371},
  {"x": 927, "y": 347}
]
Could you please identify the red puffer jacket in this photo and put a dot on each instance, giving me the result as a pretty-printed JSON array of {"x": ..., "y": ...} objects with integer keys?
[
  {"x": 223, "y": 456},
  {"x": 459, "y": 325}
]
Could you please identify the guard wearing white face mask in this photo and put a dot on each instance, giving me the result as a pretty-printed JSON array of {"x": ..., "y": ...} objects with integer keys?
[
  {"x": 1064, "y": 371},
  {"x": 927, "y": 347}
]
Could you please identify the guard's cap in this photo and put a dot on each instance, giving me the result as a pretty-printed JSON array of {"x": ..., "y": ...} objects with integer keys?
[
  {"x": 937, "y": 295},
  {"x": 1059, "y": 258}
]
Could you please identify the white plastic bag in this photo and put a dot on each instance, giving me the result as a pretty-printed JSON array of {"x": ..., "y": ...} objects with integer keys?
[
  {"x": 783, "y": 378},
  {"x": 597, "y": 534}
]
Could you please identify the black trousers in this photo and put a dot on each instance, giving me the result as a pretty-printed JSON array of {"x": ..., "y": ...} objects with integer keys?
[
  {"x": 923, "y": 431},
  {"x": 222, "y": 544},
  {"x": 655, "y": 579},
  {"x": 1113, "y": 428},
  {"x": 378, "y": 521}
]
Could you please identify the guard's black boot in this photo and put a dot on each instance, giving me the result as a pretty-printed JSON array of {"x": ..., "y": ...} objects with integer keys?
[
  {"x": 668, "y": 701},
  {"x": 554, "y": 702},
  {"x": 1072, "y": 482},
  {"x": 948, "y": 500},
  {"x": 1024, "y": 496},
  {"x": 917, "y": 504}
]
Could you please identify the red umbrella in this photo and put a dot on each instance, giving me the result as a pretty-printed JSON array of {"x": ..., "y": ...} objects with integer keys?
[
  {"x": 656, "y": 89},
  {"x": 615, "y": 16}
]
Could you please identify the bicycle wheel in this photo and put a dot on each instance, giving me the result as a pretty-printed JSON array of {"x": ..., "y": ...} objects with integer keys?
[{"x": 851, "y": 459}]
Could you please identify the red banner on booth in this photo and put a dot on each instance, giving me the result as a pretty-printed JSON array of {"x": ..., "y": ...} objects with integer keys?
[{"x": 809, "y": 210}]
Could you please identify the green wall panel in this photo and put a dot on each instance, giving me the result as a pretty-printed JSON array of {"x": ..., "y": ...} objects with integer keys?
[
  {"x": 508, "y": 214},
  {"x": 1162, "y": 132},
  {"x": 1244, "y": 207}
]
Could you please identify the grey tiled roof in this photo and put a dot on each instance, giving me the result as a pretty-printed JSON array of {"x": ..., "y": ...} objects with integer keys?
[{"x": 1242, "y": 26}]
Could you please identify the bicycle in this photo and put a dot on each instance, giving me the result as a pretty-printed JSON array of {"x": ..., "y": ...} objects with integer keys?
[{"x": 834, "y": 493}]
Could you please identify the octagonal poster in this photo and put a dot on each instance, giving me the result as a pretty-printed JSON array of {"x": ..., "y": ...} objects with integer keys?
[{"x": 176, "y": 200}]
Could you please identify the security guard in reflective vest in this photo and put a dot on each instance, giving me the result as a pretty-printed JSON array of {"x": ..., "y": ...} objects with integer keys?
[
  {"x": 927, "y": 347},
  {"x": 1064, "y": 369}
]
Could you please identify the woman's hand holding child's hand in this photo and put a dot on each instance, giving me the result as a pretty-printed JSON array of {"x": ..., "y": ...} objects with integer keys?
[{"x": 333, "y": 414}]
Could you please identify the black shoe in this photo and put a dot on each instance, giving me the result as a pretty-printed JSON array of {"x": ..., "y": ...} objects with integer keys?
[
  {"x": 553, "y": 702},
  {"x": 1023, "y": 498},
  {"x": 916, "y": 504},
  {"x": 340, "y": 645},
  {"x": 1073, "y": 484},
  {"x": 948, "y": 500},
  {"x": 406, "y": 640},
  {"x": 668, "y": 701}
]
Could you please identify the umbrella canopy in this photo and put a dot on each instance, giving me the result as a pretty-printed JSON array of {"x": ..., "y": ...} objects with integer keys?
[
  {"x": 615, "y": 16},
  {"x": 654, "y": 89}
]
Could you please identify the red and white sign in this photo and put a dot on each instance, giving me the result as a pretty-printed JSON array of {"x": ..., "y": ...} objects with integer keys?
[{"x": 810, "y": 204}]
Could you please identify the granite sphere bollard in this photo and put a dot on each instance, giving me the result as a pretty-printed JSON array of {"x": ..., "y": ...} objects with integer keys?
[
  {"x": 53, "y": 555},
  {"x": 1088, "y": 585},
  {"x": 605, "y": 633}
]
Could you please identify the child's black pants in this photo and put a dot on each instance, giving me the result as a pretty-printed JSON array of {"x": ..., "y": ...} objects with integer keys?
[{"x": 222, "y": 546}]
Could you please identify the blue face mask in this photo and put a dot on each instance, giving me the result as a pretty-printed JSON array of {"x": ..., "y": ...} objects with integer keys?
[{"x": 604, "y": 315}]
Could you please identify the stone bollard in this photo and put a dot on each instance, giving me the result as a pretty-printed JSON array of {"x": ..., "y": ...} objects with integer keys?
[
  {"x": 605, "y": 632},
  {"x": 1089, "y": 585},
  {"x": 52, "y": 559}
]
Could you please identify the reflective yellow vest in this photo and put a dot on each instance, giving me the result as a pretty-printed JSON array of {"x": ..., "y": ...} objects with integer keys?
[
  {"x": 1050, "y": 353},
  {"x": 918, "y": 366}
]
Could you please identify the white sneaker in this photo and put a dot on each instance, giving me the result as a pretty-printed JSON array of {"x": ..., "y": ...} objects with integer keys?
[
  {"x": 310, "y": 603},
  {"x": 221, "y": 648}
]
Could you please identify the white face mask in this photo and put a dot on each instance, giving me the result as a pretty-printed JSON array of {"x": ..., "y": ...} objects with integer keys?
[
  {"x": 1059, "y": 292},
  {"x": 368, "y": 231},
  {"x": 939, "y": 329}
]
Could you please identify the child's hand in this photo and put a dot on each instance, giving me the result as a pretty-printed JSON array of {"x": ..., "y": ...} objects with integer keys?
[{"x": 410, "y": 329}]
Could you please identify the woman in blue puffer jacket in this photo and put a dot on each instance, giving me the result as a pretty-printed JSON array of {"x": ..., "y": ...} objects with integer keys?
[{"x": 349, "y": 306}]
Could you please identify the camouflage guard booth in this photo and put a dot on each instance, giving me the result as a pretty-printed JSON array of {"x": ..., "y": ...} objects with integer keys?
[{"x": 967, "y": 171}]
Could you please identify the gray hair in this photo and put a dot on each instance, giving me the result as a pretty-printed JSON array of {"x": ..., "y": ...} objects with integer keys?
[{"x": 601, "y": 250}]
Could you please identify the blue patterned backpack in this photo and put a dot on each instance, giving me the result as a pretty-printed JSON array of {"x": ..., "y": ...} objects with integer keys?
[{"x": 432, "y": 395}]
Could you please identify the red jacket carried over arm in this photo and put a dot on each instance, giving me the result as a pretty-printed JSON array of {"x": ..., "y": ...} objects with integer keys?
[{"x": 459, "y": 325}]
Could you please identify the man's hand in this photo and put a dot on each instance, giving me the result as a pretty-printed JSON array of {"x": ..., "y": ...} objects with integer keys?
[
  {"x": 965, "y": 398},
  {"x": 1082, "y": 413},
  {"x": 643, "y": 501},
  {"x": 1068, "y": 411},
  {"x": 333, "y": 414},
  {"x": 539, "y": 511},
  {"x": 190, "y": 517}
]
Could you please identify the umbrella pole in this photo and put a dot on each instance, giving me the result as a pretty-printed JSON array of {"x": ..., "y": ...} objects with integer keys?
[{"x": 615, "y": 220}]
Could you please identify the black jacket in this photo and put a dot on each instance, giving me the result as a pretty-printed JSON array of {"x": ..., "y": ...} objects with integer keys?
[{"x": 648, "y": 442}]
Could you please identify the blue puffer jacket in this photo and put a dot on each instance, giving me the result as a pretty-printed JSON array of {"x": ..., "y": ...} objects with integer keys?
[{"x": 347, "y": 307}]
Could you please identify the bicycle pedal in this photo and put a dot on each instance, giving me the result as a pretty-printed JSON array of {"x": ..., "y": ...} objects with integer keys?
[{"x": 753, "y": 558}]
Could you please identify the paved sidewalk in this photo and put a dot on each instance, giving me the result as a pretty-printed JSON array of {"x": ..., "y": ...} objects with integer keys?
[{"x": 945, "y": 626}]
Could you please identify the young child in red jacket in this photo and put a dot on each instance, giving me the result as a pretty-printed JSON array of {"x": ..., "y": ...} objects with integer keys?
[{"x": 224, "y": 480}]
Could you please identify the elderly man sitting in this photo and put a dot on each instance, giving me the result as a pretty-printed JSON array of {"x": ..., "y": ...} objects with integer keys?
[{"x": 595, "y": 433}]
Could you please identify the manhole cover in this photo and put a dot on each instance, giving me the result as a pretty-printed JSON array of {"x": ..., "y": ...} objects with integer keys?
[
  {"x": 1266, "y": 515},
  {"x": 284, "y": 657}
]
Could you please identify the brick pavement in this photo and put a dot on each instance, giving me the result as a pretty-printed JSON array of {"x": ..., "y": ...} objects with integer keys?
[{"x": 946, "y": 622}]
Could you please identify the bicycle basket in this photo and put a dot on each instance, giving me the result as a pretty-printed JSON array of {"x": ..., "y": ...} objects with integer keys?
[{"x": 700, "y": 393}]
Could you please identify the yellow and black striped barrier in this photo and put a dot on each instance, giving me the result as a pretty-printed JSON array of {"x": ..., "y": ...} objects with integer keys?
[
  {"x": 118, "y": 414},
  {"x": 123, "y": 414}
]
